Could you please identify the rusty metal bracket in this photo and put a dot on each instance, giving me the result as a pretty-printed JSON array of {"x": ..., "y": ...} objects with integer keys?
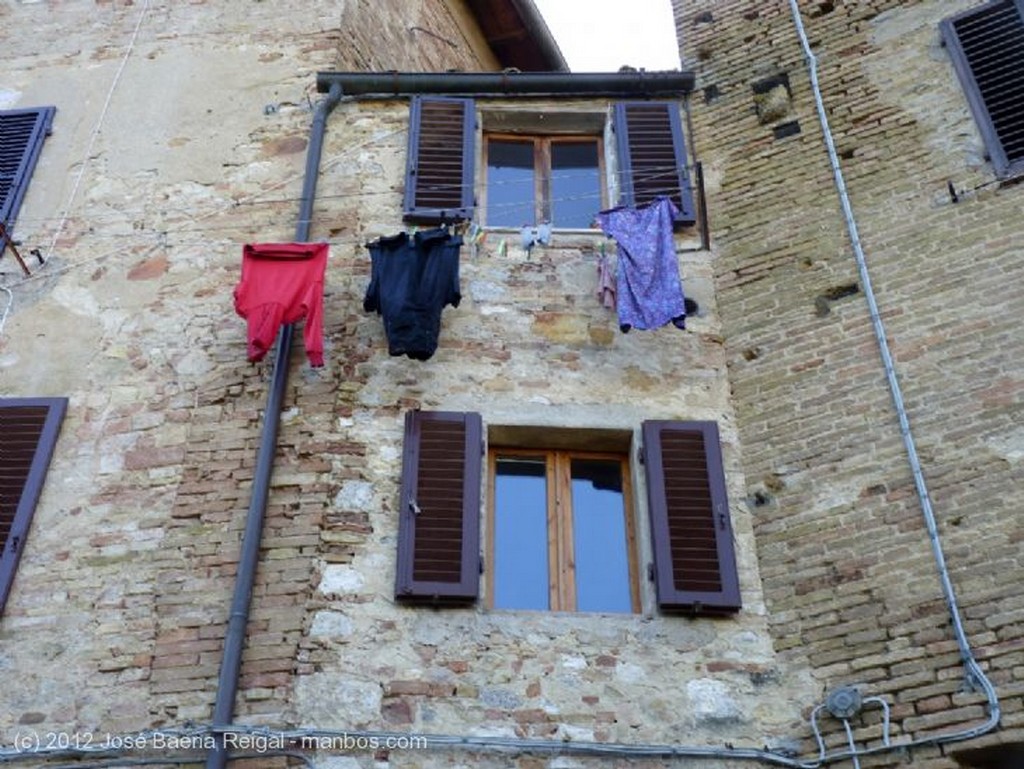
[{"x": 5, "y": 241}]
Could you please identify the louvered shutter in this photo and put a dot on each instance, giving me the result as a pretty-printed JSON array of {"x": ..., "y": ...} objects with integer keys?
[
  {"x": 21, "y": 138},
  {"x": 652, "y": 156},
  {"x": 439, "y": 166},
  {"x": 28, "y": 433},
  {"x": 694, "y": 556},
  {"x": 439, "y": 516},
  {"x": 986, "y": 46}
]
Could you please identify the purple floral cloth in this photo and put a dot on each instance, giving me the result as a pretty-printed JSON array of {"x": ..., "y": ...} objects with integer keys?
[{"x": 650, "y": 293}]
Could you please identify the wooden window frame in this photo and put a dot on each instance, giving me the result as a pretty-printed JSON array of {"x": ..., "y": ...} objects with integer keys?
[
  {"x": 561, "y": 572},
  {"x": 542, "y": 170}
]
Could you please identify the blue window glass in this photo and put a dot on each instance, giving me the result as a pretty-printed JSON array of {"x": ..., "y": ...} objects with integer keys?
[
  {"x": 520, "y": 533},
  {"x": 600, "y": 544},
  {"x": 575, "y": 184},
  {"x": 561, "y": 537},
  {"x": 511, "y": 184}
]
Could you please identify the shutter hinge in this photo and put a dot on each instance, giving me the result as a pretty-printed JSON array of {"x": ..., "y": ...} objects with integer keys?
[
  {"x": 640, "y": 455},
  {"x": 650, "y": 572},
  {"x": 414, "y": 507},
  {"x": 481, "y": 564}
]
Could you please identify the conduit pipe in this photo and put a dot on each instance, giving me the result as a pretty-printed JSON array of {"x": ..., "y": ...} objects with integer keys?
[
  {"x": 234, "y": 639},
  {"x": 973, "y": 672}
]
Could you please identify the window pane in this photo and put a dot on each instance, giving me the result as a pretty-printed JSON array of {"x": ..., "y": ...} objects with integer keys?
[
  {"x": 510, "y": 184},
  {"x": 575, "y": 184},
  {"x": 599, "y": 536},
  {"x": 520, "y": 533}
]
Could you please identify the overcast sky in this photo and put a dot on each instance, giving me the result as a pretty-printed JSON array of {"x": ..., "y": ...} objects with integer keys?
[{"x": 602, "y": 35}]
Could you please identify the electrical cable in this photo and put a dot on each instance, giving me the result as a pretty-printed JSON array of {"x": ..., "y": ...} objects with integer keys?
[
  {"x": 973, "y": 672},
  {"x": 653, "y": 173},
  {"x": 96, "y": 128}
]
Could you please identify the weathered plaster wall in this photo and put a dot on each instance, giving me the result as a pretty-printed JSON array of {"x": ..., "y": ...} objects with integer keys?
[
  {"x": 850, "y": 582},
  {"x": 117, "y": 616}
]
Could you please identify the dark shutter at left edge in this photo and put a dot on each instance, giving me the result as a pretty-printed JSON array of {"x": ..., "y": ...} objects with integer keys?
[
  {"x": 691, "y": 530},
  {"x": 439, "y": 508},
  {"x": 22, "y": 132},
  {"x": 440, "y": 162},
  {"x": 28, "y": 435}
]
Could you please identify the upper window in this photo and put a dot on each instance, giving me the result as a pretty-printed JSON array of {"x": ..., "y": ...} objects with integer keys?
[
  {"x": 21, "y": 139},
  {"x": 561, "y": 532},
  {"x": 986, "y": 45},
  {"x": 553, "y": 179},
  {"x": 561, "y": 528},
  {"x": 29, "y": 428},
  {"x": 538, "y": 176}
]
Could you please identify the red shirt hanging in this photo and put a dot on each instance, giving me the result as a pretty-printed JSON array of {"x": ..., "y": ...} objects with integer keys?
[{"x": 282, "y": 283}]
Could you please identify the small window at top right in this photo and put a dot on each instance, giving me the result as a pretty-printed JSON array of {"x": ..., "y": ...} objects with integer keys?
[{"x": 986, "y": 46}]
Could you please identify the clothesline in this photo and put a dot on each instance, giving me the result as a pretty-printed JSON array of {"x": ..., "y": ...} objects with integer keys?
[
  {"x": 414, "y": 275},
  {"x": 122, "y": 213}
]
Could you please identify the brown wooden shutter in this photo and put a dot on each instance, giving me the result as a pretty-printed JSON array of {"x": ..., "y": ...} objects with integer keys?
[
  {"x": 652, "y": 156},
  {"x": 439, "y": 515},
  {"x": 28, "y": 434},
  {"x": 986, "y": 46},
  {"x": 439, "y": 167},
  {"x": 694, "y": 557}
]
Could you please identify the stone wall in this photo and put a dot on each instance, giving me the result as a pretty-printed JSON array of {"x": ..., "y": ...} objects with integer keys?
[
  {"x": 850, "y": 582},
  {"x": 180, "y": 135}
]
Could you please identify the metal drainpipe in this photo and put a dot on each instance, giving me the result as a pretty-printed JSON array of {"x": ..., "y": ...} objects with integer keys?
[
  {"x": 234, "y": 639},
  {"x": 973, "y": 673}
]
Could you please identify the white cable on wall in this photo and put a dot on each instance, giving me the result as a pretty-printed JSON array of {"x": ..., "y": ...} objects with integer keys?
[{"x": 96, "y": 130}]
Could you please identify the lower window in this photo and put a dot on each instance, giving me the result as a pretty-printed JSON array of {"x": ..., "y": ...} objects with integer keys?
[
  {"x": 560, "y": 521},
  {"x": 561, "y": 532}
]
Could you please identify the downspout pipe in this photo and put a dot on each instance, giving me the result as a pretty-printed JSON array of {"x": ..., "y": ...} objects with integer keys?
[
  {"x": 234, "y": 640},
  {"x": 637, "y": 85},
  {"x": 973, "y": 672}
]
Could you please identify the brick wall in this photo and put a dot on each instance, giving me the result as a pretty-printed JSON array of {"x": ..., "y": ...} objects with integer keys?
[{"x": 850, "y": 582}]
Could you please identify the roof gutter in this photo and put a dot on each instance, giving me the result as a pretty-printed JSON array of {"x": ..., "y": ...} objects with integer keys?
[
  {"x": 238, "y": 619},
  {"x": 638, "y": 85}
]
